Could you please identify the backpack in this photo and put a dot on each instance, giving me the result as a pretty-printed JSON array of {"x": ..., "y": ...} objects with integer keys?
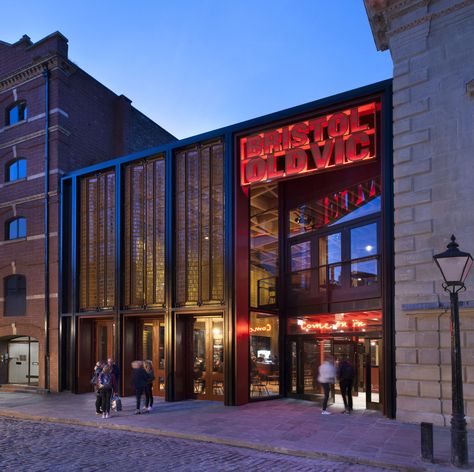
[{"x": 94, "y": 379}]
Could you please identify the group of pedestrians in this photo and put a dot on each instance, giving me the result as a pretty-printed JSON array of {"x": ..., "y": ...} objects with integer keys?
[
  {"x": 345, "y": 374},
  {"x": 105, "y": 380},
  {"x": 106, "y": 377}
]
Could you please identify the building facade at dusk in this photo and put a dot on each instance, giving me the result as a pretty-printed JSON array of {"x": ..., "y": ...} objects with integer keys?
[
  {"x": 54, "y": 118},
  {"x": 240, "y": 259}
]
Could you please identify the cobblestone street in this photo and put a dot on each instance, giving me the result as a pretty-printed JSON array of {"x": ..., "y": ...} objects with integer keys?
[{"x": 34, "y": 446}]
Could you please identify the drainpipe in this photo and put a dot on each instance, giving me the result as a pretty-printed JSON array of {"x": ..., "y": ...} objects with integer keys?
[{"x": 46, "y": 230}]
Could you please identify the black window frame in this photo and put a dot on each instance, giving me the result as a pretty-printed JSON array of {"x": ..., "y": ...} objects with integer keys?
[
  {"x": 8, "y": 225},
  {"x": 14, "y": 295},
  {"x": 10, "y": 165},
  {"x": 22, "y": 107}
]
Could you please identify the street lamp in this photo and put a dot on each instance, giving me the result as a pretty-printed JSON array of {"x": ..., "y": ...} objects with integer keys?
[{"x": 454, "y": 266}]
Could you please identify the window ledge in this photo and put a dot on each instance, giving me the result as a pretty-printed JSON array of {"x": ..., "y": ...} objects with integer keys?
[
  {"x": 11, "y": 182},
  {"x": 12, "y": 241},
  {"x": 7, "y": 127}
]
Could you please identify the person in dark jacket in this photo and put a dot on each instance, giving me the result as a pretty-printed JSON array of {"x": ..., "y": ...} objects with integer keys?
[
  {"x": 115, "y": 369},
  {"x": 95, "y": 382},
  {"x": 148, "y": 365},
  {"x": 107, "y": 386},
  {"x": 345, "y": 374},
  {"x": 139, "y": 381}
]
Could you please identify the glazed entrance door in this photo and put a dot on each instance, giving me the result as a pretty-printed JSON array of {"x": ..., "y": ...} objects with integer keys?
[
  {"x": 208, "y": 358},
  {"x": 372, "y": 372},
  {"x": 152, "y": 336},
  {"x": 104, "y": 340},
  {"x": 306, "y": 355}
]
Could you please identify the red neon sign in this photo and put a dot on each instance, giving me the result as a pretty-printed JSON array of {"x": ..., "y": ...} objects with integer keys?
[
  {"x": 336, "y": 326},
  {"x": 314, "y": 145},
  {"x": 260, "y": 329}
]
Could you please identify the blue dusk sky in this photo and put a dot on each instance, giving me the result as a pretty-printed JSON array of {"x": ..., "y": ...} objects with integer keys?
[{"x": 197, "y": 65}]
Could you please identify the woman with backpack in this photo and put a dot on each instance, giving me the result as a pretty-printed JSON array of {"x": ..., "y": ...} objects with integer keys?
[
  {"x": 149, "y": 385},
  {"x": 107, "y": 386}
]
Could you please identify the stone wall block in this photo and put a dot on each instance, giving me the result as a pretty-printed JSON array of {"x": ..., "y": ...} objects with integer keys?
[
  {"x": 414, "y": 77},
  {"x": 402, "y": 155},
  {"x": 429, "y": 356},
  {"x": 401, "y": 97},
  {"x": 412, "y": 258},
  {"x": 403, "y": 215},
  {"x": 401, "y": 126},
  {"x": 417, "y": 372},
  {"x": 430, "y": 389},
  {"x": 414, "y": 198},
  {"x": 403, "y": 185},
  {"x": 410, "y": 139},
  {"x": 415, "y": 288},
  {"x": 427, "y": 323},
  {"x": 427, "y": 339},
  {"x": 416, "y": 404},
  {"x": 411, "y": 108},
  {"x": 405, "y": 339},
  {"x": 405, "y": 244},
  {"x": 404, "y": 323},
  {"x": 420, "y": 166},
  {"x": 408, "y": 387},
  {"x": 405, "y": 356},
  {"x": 405, "y": 274},
  {"x": 401, "y": 68}
]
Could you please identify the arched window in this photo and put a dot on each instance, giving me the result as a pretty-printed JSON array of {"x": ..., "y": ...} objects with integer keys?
[
  {"x": 16, "y": 113},
  {"x": 15, "y": 295},
  {"x": 16, "y": 228},
  {"x": 15, "y": 170}
]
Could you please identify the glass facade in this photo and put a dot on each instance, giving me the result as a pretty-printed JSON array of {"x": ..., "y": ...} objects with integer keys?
[
  {"x": 200, "y": 225},
  {"x": 264, "y": 355},
  {"x": 97, "y": 242}
]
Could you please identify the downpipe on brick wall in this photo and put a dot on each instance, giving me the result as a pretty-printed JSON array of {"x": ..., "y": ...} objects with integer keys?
[{"x": 46, "y": 231}]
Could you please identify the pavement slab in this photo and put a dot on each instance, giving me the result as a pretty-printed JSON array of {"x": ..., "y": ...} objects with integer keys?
[{"x": 292, "y": 427}]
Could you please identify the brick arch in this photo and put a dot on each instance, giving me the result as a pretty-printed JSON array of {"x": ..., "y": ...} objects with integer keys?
[{"x": 22, "y": 329}]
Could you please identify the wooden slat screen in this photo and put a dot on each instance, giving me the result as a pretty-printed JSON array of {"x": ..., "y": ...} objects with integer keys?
[
  {"x": 144, "y": 234},
  {"x": 200, "y": 225},
  {"x": 97, "y": 242}
]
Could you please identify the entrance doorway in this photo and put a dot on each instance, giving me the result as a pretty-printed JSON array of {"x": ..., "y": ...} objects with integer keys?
[
  {"x": 151, "y": 333},
  {"x": 306, "y": 355},
  {"x": 307, "y": 352},
  {"x": 22, "y": 361},
  {"x": 200, "y": 357}
]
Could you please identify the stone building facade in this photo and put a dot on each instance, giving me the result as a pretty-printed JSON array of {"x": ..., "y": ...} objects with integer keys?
[
  {"x": 432, "y": 48},
  {"x": 87, "y": 123}
]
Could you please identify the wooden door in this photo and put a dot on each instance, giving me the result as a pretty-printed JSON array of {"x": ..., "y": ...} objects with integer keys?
[
  {"x": 152, "y": 335},
  {"x": 104, "y": 340},
  {"x": 208, "y": 358}
]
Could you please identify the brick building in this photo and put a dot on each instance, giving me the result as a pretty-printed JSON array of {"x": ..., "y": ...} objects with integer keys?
[
  {"x": 432, "y": 48},
  {"x": 54, "y": 118}
]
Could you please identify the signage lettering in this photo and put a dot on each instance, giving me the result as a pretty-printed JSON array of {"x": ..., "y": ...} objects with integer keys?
[
  {"x": 336, "y": 326},
  {"x": 315, "y": 145},
  {"x": 259, "y": 329}
]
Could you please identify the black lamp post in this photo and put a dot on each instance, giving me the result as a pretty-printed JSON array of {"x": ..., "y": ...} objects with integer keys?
[{"x": 454, "y": 266}]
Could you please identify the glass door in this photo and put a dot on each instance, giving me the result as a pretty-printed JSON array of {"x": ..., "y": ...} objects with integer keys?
[
  {"x": 306, "y": 355},
  {"x": 372, "y": 372},
  {"x": 208, "y": 358},
  {"x": 152, "y": 348}
]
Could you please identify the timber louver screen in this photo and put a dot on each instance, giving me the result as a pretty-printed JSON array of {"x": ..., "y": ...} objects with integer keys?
[
  {"x": 200, "y": 225},
  {"x": 97, "y": 242},
  {"x": 144, "y": 238}
]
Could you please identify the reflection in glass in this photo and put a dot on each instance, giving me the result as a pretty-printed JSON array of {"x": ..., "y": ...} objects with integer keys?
[
  {"x": 364, "y": 241},
  {"x": 311, "y": 361},
  {"x": 356, "y": 201},
  {"x": 217, "y": 347},
  {"x": 330, "y": 256},
  {"x": 264, "y": 355},
  {"x": 161, "y": 351},
  {"x": 263, "y": 245},
  {"x": 199, "y": 338},
  {"x": 148, "y": 341}
]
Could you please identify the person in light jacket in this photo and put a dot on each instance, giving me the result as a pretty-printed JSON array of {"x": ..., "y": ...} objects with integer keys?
[{"x": 327, "y": 376}]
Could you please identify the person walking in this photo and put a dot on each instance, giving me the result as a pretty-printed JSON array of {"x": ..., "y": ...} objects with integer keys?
[
  {"x": 95, "y": 382},
  {"x": 115, "y": 369},
  {"x": 149, "y": 385},
  {"x": 327, "y": 376},
  {"x": 107, "y": 386},
  {"x": 139, "y": 381},
  {"x": 345, "y": 374}
]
